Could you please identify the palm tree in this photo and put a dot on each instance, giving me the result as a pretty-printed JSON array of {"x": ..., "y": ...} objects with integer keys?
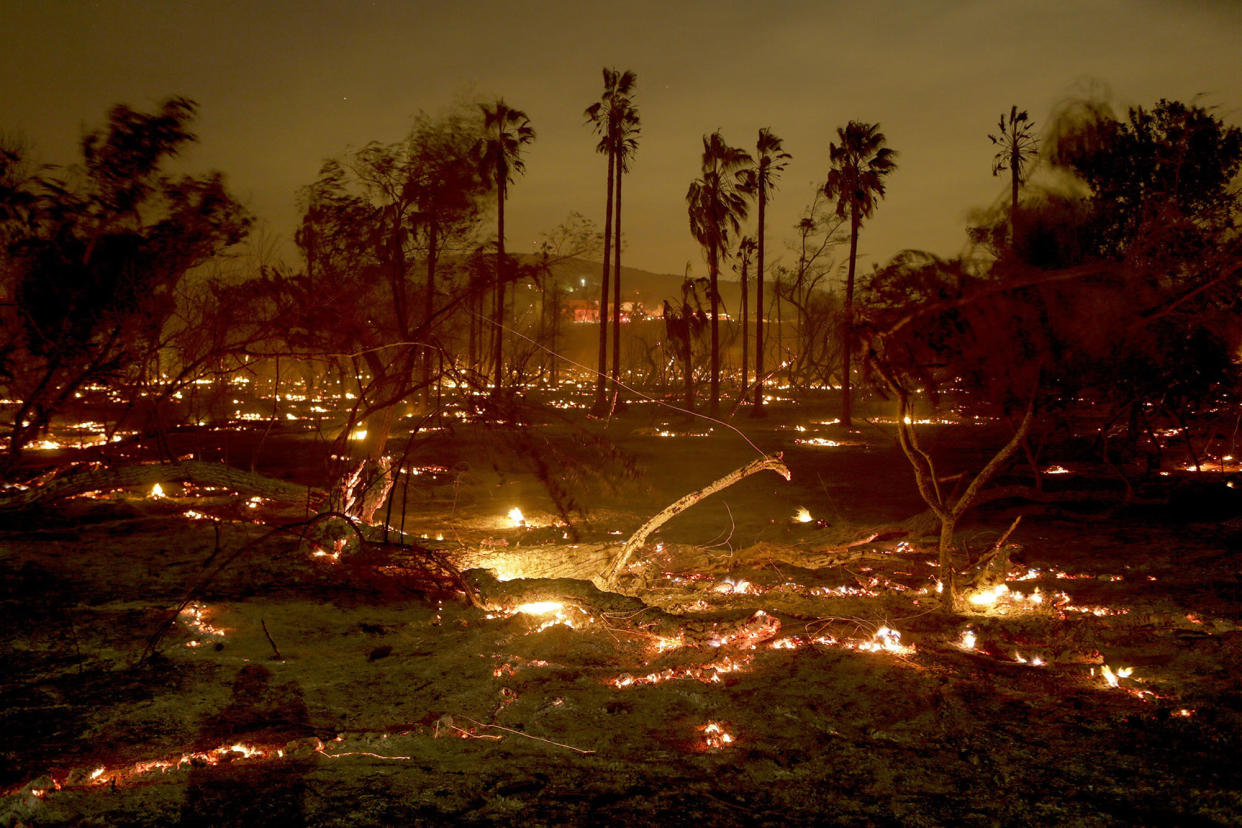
[
  {"x": 1017, "y": 147},
  {"x": 626, "y": 146},
  {"x": 745, "y": 250},
  {"x": 505, "y": 132},
  {"x": 856, "y": 180},
  {"x": 717, "y": 205},
  {"x": 616, "y": 122},
  {"x": 770, "y": 161}
]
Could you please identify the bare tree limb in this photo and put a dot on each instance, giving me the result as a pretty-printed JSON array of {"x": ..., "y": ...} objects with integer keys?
[{"x": 636, "y": 540}]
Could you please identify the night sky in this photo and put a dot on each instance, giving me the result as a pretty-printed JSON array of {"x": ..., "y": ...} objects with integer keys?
[{"x": 283, "y": 84}]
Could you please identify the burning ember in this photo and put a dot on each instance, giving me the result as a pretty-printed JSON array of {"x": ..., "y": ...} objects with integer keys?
[
  {"x": 540, "y": 607},
  {"x": 715, "y": 736},
  {"x": 195, "y": 617},
  {"x": 886, "y": 639},
  {"x": 709, "y": 673},
  {"x": 818, "y": 441},
  {"x": 1113, "y": 678}
]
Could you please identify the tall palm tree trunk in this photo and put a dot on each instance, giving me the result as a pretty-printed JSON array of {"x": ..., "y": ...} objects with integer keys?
[
  {"x": 500, "y": 286},
  {"x": 602, "y": 367},
  {"x": 616, "y": 294},
  {"x": 1015, "y": 161},
  {"x": 713, "y": 267},
  {"x": 759, "y": 308},
  {"x": 847, "y": 327},
  {"x": 745, "y": 329}
]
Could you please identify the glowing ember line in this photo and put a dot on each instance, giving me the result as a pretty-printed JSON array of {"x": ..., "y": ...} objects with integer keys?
[{"x": 706, "y": 673}]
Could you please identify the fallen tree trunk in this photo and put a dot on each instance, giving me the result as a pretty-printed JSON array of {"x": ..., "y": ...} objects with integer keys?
[
  {"x": 609, "y": 576},
  {"x": 621, "y": 610},
  {"x": 77, "y": 480}
]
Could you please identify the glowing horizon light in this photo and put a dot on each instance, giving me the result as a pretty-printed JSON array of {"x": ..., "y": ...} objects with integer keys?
[
  {"x": 803, "y": 515},
  {"x": 516, "y": 517},
  {"x": 157, "y": 491}
]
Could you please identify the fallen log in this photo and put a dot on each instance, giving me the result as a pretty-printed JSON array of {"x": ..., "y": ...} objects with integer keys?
[
  {"x": 609, "y": 576},
  {"x": 78, "y": 480},
  {"x": 621, "y": 610}
]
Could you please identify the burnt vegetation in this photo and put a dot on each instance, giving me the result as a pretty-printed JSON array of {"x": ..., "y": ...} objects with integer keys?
[{"x": 438, "y": 487}]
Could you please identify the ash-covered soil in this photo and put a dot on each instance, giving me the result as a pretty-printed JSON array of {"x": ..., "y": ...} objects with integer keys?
[{"x": 1101, "y": 687}]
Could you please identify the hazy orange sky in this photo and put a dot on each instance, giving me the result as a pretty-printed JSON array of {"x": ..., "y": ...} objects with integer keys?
[{"x": 282, "y": 84}]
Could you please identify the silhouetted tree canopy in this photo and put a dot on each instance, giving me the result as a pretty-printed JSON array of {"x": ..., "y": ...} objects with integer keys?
[
  {"x": 92, "y": 259},
  {"x": 1159, "y": 179}
]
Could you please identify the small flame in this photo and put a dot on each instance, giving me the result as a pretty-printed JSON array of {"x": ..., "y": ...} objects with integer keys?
[
  {"x": 358, "y": 434},
  {"x": 540, "y": 607},
  {"x": 715, "y": 736},
  {"x": 989, "y": 597},
  {"x": 802, "y": 515},
  {"x": 1113, "y": 678},
  {"x": 157, "y": 491},
  {"x": 967, "y": 641},
  {"x": 516, "y": 517},
  {"x": 888, "y": 640}
]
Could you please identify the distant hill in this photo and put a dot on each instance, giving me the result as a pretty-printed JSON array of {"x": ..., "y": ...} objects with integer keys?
[{"x": 649, "y": 288}]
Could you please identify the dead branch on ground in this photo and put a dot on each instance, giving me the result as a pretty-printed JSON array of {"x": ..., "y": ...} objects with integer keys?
[
  {"x": 609, "y": 576},
  {"x": 620, "y": 610}
]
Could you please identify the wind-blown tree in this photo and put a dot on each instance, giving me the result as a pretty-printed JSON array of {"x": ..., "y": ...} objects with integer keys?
[
  {"x": 366, "y": 221},
  {"x": 1159, "y": 181},
  {"x": 1018, "y": 147},
  {"x": 1141, "y": 324},
  {"x": 615, "y": 119},
  {"x": 859, "y": 165},
  {"x": 446, "y": 187},
  {"x": 506, "y": 130},
  {"x": 770, "y": 161},
  {"x": 92, "y": 266},
  {"x": 683, "y": 326},
  {"x": 717, "y": 205}
]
